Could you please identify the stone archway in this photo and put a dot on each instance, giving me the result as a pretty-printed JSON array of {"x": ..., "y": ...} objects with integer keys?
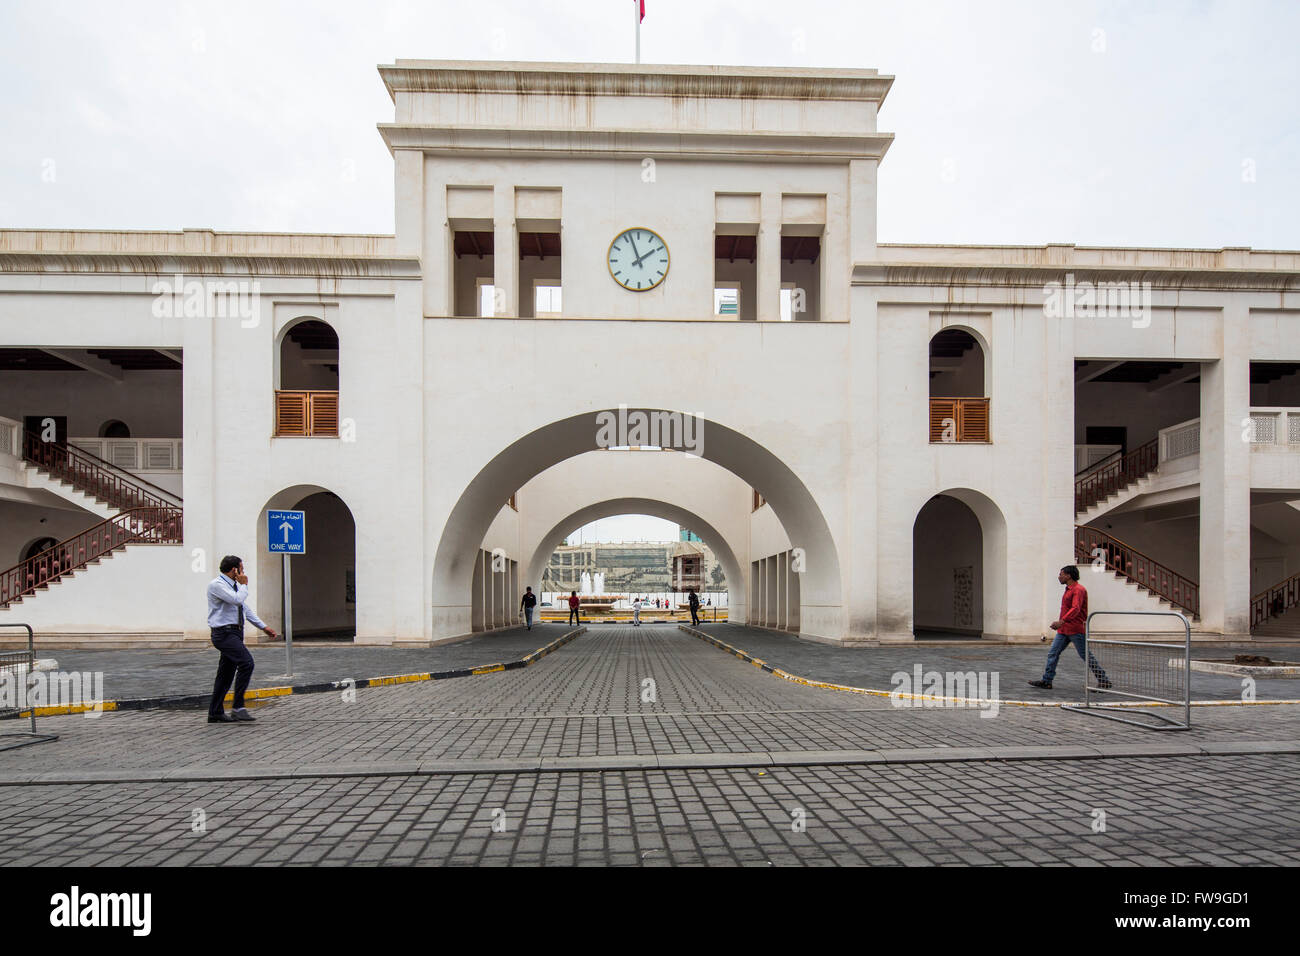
[{"x": 821, "y": 610}]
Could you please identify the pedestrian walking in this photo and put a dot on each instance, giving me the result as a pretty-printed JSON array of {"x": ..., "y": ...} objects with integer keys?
[
  {"x": 636, "y": 612},
  {"x": 1070, "y": 628},
  {"x": 227, "y": 610},
  {"x": 694, "y": 600},
  {"x": 574, "y": 604},
  {"x": 527, "y": 604}
]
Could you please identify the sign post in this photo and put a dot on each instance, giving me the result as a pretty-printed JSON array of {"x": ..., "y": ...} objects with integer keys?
[{"x": 286, "y": 534}]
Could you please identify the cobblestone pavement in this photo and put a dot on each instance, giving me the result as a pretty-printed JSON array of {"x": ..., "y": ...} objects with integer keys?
[
  {"x": 175, "y": 672},
  {"x": 591, "y": 700},
  {"x": 873, "y": 666},
  {"x": 1171, "y": 812}
]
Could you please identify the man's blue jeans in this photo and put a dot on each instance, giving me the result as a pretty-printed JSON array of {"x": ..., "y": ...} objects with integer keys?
[{"x": 1059, "y": 643}]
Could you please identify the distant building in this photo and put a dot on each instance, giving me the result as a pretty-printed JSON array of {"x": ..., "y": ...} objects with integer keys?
[{"x": 645, "y": 566}]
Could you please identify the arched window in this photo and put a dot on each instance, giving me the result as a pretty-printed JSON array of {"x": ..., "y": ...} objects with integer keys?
[
  {"x": 36, "y": 547},
  {"x": 959, "y": 406},
  {"x": 307, "y": 400},
  {"x": 114, "y": 429}
]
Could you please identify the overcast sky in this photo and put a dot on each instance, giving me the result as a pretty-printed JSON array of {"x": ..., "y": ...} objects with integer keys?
[
  {"x": 1169, "y": 124},
  {"x": 1097, "y": 123}
]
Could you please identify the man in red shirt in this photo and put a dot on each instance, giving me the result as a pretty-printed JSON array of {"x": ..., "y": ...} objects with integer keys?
[
  {"x": 574, "y": 604},
  {"x": 1070, "y": 629}
]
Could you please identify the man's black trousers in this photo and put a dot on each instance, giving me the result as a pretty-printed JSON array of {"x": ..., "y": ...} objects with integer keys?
[{"x": 236, "y": 664}]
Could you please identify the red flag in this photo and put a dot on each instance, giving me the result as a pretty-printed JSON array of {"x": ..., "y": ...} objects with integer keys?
[{"x": 642, "y": 9}]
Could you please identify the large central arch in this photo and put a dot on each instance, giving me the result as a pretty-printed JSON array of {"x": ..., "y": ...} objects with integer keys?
[
  {"x": 731, "y": 566},
  {"x": 821, "y": 605}
]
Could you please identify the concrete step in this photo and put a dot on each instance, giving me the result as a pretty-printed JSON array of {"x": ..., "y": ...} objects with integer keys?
[{"x": 1284, "y": 625}]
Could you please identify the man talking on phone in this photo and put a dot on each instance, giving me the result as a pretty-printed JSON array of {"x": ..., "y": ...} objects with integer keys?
[{"x": 227, "y": 609}]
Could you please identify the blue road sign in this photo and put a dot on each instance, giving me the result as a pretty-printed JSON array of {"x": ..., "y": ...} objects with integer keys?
[{"x": 286, "y": 532}]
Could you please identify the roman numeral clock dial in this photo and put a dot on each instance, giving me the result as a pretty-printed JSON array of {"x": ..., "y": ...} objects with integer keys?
[{"x": 638, "y": 259}]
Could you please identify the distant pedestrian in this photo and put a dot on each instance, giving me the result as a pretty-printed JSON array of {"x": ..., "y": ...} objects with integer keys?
[
  {"x": 636, "y": 612},
  {"x": 527, "y": 604},
  {"x": 1070, "y": 628},
  {"x": 694, "y": 600},
  {"x": 227, "y": 610},
  {"x": 574, "y": 604}
]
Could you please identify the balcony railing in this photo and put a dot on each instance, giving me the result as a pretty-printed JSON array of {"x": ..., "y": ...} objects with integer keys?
[
  {"x": 959, "y": 420},
  {"x": 10, "y": 437},
  {"x": 1275, "y": 426},
  {"x": 307, "y": 413},
  {"x": 135, "y": 454}
]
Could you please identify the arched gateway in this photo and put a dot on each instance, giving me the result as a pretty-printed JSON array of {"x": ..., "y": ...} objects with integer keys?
[{"x": 821, "y": 606}]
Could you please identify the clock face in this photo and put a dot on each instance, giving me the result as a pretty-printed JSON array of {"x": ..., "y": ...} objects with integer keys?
[{"x": 638, "y": 259}]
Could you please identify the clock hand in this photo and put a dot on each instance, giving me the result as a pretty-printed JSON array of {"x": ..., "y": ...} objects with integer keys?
[
  {"x": 648, "y": 254},
  {"x": 633, "y": 243}
]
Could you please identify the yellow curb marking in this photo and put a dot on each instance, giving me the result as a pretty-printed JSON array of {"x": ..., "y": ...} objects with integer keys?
[
  {"x": 65, "y": 710},
  {"x": 897, "y": 695}
]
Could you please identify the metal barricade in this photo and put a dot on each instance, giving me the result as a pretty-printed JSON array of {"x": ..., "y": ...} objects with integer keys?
[
  {"x": 15, "y": 668},
  {"x": 1138, "y": 670}
]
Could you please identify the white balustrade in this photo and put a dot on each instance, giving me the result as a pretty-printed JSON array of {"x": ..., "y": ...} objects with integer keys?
[
  {"x": 10, "y": 435},
  {"x": 1180, "y": 441},
  {"x": 135, "y": 454},
  {"x": 1275, "y": 426}
]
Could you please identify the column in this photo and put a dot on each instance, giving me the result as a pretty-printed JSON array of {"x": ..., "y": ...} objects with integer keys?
[
  {"x": 505, "y": 250},
  {"x": 768, "y": 303},
  {"x": 1224, "y": 575}
]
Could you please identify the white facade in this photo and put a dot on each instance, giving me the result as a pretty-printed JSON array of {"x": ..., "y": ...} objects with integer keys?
[{"x": 443, "y": 415}]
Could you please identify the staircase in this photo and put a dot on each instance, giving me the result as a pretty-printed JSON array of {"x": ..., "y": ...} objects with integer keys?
[
  {"x": 1110, "y": 482},
  {"x": 1275, "y": 612},
  {"x": 134, "y": 511},
  {"x": 94, "y": 478},
  {"x": 1146, "y": 574},
  {"x": 135, "y": 526}
]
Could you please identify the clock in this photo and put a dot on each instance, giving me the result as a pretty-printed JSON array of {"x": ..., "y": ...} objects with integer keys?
[{"x": 638, "y": 259}]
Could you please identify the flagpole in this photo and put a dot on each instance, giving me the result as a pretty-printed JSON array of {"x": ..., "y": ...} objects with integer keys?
[{"x": 636, "y": 12}]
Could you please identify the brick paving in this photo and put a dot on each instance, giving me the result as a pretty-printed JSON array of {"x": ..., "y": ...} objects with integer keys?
[
  {"x": 873, "y": 666},
  {"x": 186, "y": 671},
  {"x": 591, "y": 700},
  {"x": 1168, "y": 812}
]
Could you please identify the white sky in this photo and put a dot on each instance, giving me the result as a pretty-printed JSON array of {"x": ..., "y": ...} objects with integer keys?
[
  {"x": 1010, "y": 126},
  {"x": 626, "y": 528}
]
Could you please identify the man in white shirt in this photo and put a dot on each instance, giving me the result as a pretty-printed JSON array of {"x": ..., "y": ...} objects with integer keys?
[
  {"x": 227, "y": 610},
  {"x": 636, "y": 612}
]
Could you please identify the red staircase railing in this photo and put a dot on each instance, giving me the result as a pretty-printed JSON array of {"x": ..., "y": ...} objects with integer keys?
[
  {"x": 1278, "y": 599},
  {"x": 1140, "y": 569},
  {"x": 1115, "y": 476},
  {"x": 94, "y": 476},
  {"x": 136, "y": 526}
]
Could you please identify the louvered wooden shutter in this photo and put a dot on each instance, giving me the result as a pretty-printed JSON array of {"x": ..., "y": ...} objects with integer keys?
[
  {"x": 940, "y": 409},
  {"x": 324, "y": 413},
  {"x": 974, "y": 425},
  {"x": 291, "y": 413}
]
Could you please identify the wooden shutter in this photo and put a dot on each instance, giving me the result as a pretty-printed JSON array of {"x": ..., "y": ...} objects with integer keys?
[
  {"x": 291, "y": 413},
  {"x": 974, "y": 423},
  {"x": 941, "y": 408},
  {"x": 324, "y": 413}
]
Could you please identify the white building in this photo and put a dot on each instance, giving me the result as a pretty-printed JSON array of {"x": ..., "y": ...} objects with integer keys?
[{"x": 887, "y": 436}]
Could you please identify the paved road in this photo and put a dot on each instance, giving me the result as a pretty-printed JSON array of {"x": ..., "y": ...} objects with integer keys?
[{"x": 431, "y": 762}]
